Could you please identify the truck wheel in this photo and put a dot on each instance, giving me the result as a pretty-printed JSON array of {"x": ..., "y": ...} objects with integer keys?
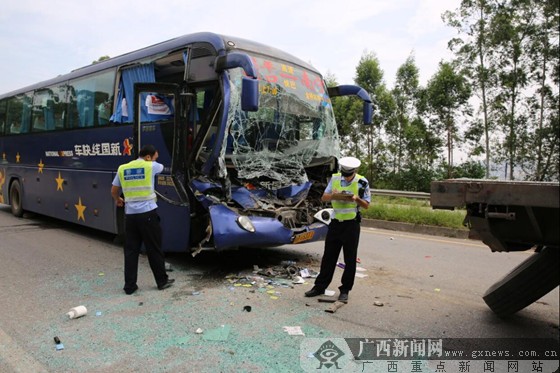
[
  {"x": 16, "y": 199},
  {"x": 526, "y": 283}
]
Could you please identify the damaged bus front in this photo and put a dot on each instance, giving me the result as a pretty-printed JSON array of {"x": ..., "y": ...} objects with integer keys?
[{"x": 253, "y": 150}]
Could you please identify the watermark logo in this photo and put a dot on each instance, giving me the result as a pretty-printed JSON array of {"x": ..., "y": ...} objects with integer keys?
[{"x": 328, "y": 354}]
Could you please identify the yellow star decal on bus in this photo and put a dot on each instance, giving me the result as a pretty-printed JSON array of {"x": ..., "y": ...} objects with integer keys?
[
  {"x": 17, "y": 157},
  {"x": 81, "y": 208},
  {"x": 59, "y": 181},
  {"x": 41, "y": 165}
]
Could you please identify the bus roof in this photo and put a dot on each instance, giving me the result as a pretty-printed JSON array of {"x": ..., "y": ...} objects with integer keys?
[{"x": 221, "y": 43}]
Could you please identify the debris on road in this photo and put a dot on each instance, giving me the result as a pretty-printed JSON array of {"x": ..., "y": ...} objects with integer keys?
[
  {"x": 298, "y": 280},
  {"x": 335, "y": 306},
  {"x": 294, "y": 330},
  {"x": 59, "y": 346},
  {"x": 218, "y": 334},
  {"x": 76, "y": 312},
  {"x": 378, "y": 303}
]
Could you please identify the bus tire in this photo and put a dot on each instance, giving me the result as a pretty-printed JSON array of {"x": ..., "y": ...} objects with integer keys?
[
  {"x": 16, "y": 199},
  {"x": 526, "y": 283}
]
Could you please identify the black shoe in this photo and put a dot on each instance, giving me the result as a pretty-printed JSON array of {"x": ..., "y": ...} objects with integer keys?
[
  {"x": 314, "y": 292},
  {"x": 167, "y": 284},
  {"x": 343, "y": 297},
  {"x": 130, "y": 291}
]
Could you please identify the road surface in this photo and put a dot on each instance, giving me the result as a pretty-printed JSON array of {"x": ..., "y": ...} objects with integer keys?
[{"x": 417, "y": 286}]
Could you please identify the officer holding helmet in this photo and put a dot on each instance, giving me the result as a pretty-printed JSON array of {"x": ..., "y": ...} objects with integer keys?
[{"x": 348, "y": 193}]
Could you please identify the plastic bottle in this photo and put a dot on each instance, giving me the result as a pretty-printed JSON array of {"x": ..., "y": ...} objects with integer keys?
[{"x": 77, "y": 312}]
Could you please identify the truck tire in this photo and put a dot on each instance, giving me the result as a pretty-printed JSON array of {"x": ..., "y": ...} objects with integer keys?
[
  {"x": 526, "y": 283},
  {"x": 16, "y": 199}
]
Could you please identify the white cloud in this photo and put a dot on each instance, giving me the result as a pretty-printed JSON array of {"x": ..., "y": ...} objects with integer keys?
[{"x": 40, "y": 40}]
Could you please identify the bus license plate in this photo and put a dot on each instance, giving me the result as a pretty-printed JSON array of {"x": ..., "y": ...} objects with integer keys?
[{"x": 305, "y": 236}]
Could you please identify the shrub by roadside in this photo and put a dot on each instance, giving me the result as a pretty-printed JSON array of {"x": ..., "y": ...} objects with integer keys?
[{"x": 414, "y": 212}]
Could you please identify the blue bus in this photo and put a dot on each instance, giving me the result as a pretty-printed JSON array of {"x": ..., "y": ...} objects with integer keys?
[{"x": 246, "y": 133}]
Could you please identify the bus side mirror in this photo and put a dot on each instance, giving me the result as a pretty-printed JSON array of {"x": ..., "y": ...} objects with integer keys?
[
  {"x": 368, "y": 112},
  {"x": 249, "y": 94},
  {"x": 347, "y": 90}
]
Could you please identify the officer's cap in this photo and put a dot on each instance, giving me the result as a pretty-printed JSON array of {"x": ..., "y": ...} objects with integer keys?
[{"x": 349, "y": 164}]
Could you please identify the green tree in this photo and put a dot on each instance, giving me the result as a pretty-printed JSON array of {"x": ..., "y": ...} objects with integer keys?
[
  {"x": 510, "y": 49},
  {"x": 405, "y": 94},
  {"x": 542, "y": 146},
  {"x": 447, "y": 95},
  {"x": 369, "y": 76},
  {"x": 512, "y": 24},
  {"x": 473, "y": 52},
  {"x": 100, "y": 59}
]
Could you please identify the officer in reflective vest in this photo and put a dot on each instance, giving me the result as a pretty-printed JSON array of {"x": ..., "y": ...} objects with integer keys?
[
  {"x": 142, "y": 222},
  {"x": 348, "y": 192}
]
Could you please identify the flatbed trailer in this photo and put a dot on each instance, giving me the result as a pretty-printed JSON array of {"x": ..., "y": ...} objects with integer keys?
[{"x": 510, "y": 216}]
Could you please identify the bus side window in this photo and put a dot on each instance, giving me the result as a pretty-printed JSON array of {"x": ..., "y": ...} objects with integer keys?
[
  {"x": 27, "y": 109},
  {"x": 3, "y": 126},
  {"x": 41, "y": 113},
  {"x": 90, "y": 100}
]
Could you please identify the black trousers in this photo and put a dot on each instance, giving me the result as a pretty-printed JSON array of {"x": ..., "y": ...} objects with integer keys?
[
  {"x": 143, "y": 228},
  {"x": 343, "y": 235}
]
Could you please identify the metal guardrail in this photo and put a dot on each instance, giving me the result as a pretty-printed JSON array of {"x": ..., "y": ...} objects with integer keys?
[{"x": 400, "y": 193}]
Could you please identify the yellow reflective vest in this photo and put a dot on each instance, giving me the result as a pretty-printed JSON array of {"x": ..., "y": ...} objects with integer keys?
[
  {"x": 345, "y": 210},
  {"x": 136, "y": 180}
]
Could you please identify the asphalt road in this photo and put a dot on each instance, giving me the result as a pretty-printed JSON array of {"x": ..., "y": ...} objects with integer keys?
[{"x": 424, "y": 287}]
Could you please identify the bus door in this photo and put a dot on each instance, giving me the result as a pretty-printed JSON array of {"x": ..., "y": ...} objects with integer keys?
[{"x": 159, "y": 121}]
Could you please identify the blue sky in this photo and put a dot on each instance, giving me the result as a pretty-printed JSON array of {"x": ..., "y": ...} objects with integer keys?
[{"x": 40, "y": 40}]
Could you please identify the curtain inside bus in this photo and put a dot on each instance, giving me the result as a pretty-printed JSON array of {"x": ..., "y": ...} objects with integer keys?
[{"x": 136, "y": 74}]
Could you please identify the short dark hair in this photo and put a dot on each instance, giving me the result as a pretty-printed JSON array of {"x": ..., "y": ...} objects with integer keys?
[{"x": 147, "y": 150}]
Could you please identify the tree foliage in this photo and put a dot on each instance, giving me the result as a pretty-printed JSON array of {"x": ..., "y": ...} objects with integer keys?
[
  {"x": 101, "y": 59},
  {"x": 509, "y": 49},
  {"x": 506, "y": 67}
]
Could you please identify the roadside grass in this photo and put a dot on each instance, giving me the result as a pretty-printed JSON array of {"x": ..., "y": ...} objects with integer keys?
[{"x": 413, "y": 211}]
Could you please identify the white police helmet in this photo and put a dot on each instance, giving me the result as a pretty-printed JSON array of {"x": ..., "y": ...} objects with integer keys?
[{"x": 349, "y": 164}]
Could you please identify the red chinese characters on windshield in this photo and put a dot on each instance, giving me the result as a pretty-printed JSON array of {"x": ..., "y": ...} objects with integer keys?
[{"x": 289, "y": 77}]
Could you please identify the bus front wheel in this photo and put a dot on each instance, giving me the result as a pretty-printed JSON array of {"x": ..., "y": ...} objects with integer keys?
[{"x": 16, "y": 199}]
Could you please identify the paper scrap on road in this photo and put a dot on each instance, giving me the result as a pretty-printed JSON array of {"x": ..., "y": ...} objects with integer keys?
[
  {"x": 298, "y": 280},
  {"x": 329, "y": 293},
  {"x": 361, "y": 275},
  {"x": 293, "y": 330}
]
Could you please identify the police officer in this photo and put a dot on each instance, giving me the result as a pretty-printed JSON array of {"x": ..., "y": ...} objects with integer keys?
[
  {"x": 142, "y": 222},
  {"x": 348, "y": 192}
]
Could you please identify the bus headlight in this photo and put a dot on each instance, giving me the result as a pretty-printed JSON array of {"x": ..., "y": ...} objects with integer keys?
[
  {"x": 324, "y": 216},
  {"x": 246, "y": 223}
]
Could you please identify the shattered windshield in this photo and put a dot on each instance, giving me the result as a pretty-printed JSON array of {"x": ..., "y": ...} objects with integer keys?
[{"x": 293, "y": 128}]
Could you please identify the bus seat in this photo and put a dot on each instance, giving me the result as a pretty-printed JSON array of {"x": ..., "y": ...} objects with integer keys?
[{"x": 15, "y": 127}]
